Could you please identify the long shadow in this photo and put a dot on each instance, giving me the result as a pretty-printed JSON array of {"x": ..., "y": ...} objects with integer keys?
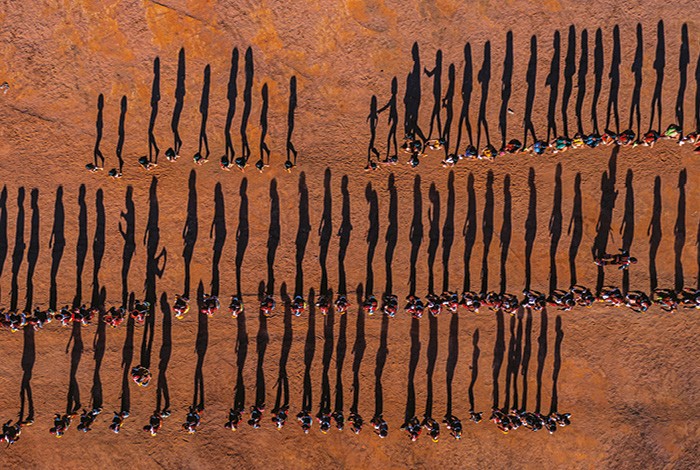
[
  {"x": 204, "y": 111},
  {"x": 153, "y": 150},
  {"x": 452, "y": 358},
  {"x": 231, "y": 96},
  {"x": 242, "y": 232},
  {"x": 82, "y": 246},
  {"x": 557, "y": 365},
  {"x": 598, "y": 65},
  {"x": 575, "y": 230},
  {"x": 372, "y": 235},
  {"x": 555, "y": 228},
  {"x": 273, "y": 236},
  {"x": 484, "y": 78},
  {"x": 373, "y": 120},
  {"x": 506, "y": 87},
  {"x": 343, "y": 235},
  {"x": 525, "y": 363},
  {"x": 309, "y": 352},
  {"x": 179, "y": 101},
  {"x": 431, "y": 358},
  {"x": 415, "y": 235},
  {"x": 127, "y": 358},
  {"x": 264, "y": 149},
  {"x": 190, "y": 231},
  {"x": 510, "y": 366},
  {"x": 57, "y": 243},
  {"x": 99, "y": 158},
  {"x": 448, "y": 231},
  {"x": 412, "y": 365},
  {"x": 499, "y": 350},
  {"x": 469, "y": 231},
  {"x": 466, "y": 92},
  {"x": 448, "y": 104},
  {"x": 637, "y": 68},
  {"x": 697, "y": 94},
  {"x": 412, "y": 96},
  {"x": 261, "y": 342},
  {"x": 328, "y": 323},
  {"x": 380, "y": 362},
  {"x": 154, "y": 269},
  {"x": 291, "y": 150},
  {"x": 476, "y": 352},
  {"x": 166, "y": 349},
  {"x": 282, "y": 399},
  {"x": 614, "y": 75},
  {"x": 122, "y": 133},
  {"x": 99, "y": 342},
  {"x": 218, "y": 231},
  {"x": 552, "y": 82},
  {"x": 33, "y": 248},
  {"x": 569, "y": 71},
  {"x": 433, "y": 234},
  {"x": 436, "y": 74},
  {"x": 392, "y": 232},
  {"x": 340, "y": 351},
  {"x": 683, "y": 62},
  {"x": 128, "y": 233},
  {"x": 581, "y": 81},
  {"x": 530, "y": 227},
  {"x": 487, "y": 231},
  {"x": 654, "y": 232},
  {"x": 541, "y": 358},
  {"x": 393, "y": 118},
  {"x": 358, "y": 351},
  {"x": 247, "y": 104},
  {"x": 200, "y": 347},
  {"x": 4, "y": 245},
  {"x": 679, "y": 231},
  {"x": 303, "y": 231},
  {"x": 73, "y": 397},
  {"x": 659, "y": 66},
  {"x": 506, "y": 231},
  {"x": 608, "y": 196},
  {"x": 18, "y": 251},
  {"x": 325, "y": 230},
  {"x": 627, "y": 227},
  {"x": 531, "y": 78},
  {"x": 241, "y": 350}
]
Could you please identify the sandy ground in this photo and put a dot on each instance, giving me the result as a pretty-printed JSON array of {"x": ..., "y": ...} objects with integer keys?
[{"x": 627, "y": 379}]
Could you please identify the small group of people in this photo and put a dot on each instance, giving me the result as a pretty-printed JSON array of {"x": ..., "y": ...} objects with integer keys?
[
  {"x": 514, "y": 419},
  {"x": 414, "y": 427}
]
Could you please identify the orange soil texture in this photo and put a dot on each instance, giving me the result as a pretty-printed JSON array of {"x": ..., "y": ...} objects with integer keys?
[{"x": 622, "y": 375}]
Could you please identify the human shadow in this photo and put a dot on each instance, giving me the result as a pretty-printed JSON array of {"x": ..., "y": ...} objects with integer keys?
[
  {"x": 659, "y": 66},
  {"x": 415, "y": 235},
  {"x": 340, "y": 351},
  {"x": 469, "y": 231},
  {"x": 247, "y": 104},
  {"x": 372, "y": 236},
  {"x": 282, "y": 399},
  {"x": 654, "y": 233},
  {"x": 200, "y": 347},
  {"x": 358, "y": 351},
  {"x": 697, "y": 94},
  {"x": 241, "y": 350},
  {"x": 242, "y": 232},
  {"x": 683, "y": 62},
  {"x": 506, "y": 87},
  {"x": 99, "y": 346},
  {"x": 436, "y": 74},
  {"x": 412, "y": 365},
  {"x": 73, "y": 397},
  {"x": 392, "y": 232},
  {"x": 153, "y": 150},
  {"x": 608, "y": 196},
  {"x": 499, "y": 350},
  {"x": 466, "y": 92},
  {"x": 448, "y": 231},
  {"x": 506, "y": 231},
  {"x": 154, "y": 270},
  {"x": 122, "y": 133},
  {"x": 4, "y": 245},
  {"x": 569, "y": 71},
  {"x": 556, "y": 367},
  {"x": 372, "y": 119},
  {"x": 525, "y": 361},
  {"x": 98, "y": 246},
  {"x": 273, "y": 236},
  {"x": 328, "y": 339},
  {"x": 190, "y": 231},
  {"x": 128, "y": 234},
  {"x": 512, "y": 364},
  {"x": 309, "y": 352},
  {"x": 452, "y": 358},
  {"x": 598, "y": 66},
  {"x": 433, "y": 234},
  {"x": 166, "y": 349},
  {"x": 262, "y": 340},
  {"x": 127, "y": 357},
  {"x": 487, "y": 231},
  {"x": 99, "y": 159},
  {"x": 581, "y": 81},
  {"x": 575, "y": 229},
  {"x": 448, "y": 104},
  {"x": 380, "y": 363},
  {"x": 431, "y": 357},
  {"x": 637, "y": 68},
  {"x": 218, "y": 232},
  {"x": 325, "y": 230},
  {"x": 614, "y": 75},
  {"x": 484, "y": 78},
  {"x": 291, "y": 150},
  {"x": 555, "y": 228},
  {"x": 552, "y": 81},
  {"x": 627, "y": 227},
  {"x": 476, "y": 352},
  {"x": 179, "y": 101},
  {"x": 679, "y": 232},
  {"x": 82, "y": 246},
  {"x": 18, "y": 251},
  {"x": 344, "y": 235},
  {"x": 303, "y": 231},
  {"x": 541, "y": 358},
  {"x": 531, "y": 79},
  {"x": 204, "y": 111},
  {"x": 264, "y": 149},
  {"x": 231, "y": 97},
  {"x": 28, "y": 360},
  {"x": 33, "y": 248},
  {"x": 392, "y": 119},
  {"x": 412, "y": 97},
  {"x": 530, "y": 227}
]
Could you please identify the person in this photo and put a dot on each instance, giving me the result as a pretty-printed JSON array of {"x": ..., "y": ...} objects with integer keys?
[
  {"x": 339, "y": 419},
  {"x": 146, "y": 164},
  {"x": 210, "y": 305},
  {"x": 560, "y": 144},
  {"x": 433, "y": 428},
  {"x": 298, "y": 305},
  {"x": 638, "y": 301},
  {"x": 512, "y": 147},
  {"x": 192, "y": 420},
  {"x": 323, "y": 304},
  {"x": 87, "y": 418},
  {"x": 593, "y": 140},
  {"x": 609, "y": 137},
  {"x": 341, "y": 304},
  {"x": 305, "y": 420},
  {"x": 501, "y": 420},
  {"x": 550, "y": 424},
  {"x": 39, "y": 318},
  {"x": 236, "y": 306},
  {"x": 471, "y": 301},
  {"x": 450, "y": 160},
  {"x": 450, "y": 300},
  {"x": 225, "y": 163},
  {"x": 578, "y": 141},
  {"x": 623, "y": 259},
  {"x": 260, "y": 165},
  {"x": 693, "y": 138},
  {"x": 534, "y": 300},
  {"x": 155, "y": 422},
  {"x": 582, "y": 295},
  {"x": 200, "y": 159},
  {"x": 114, "y": 173},
  {"x": 414, "y": 306},
  {"x": 381, "y": 427},
  {"x": 626, "y": 138},
  {"x": 470, "y": 152},
  {"x": 413, "y": 428},
  {"x": 454, "y": 425},
  {"x": 509, "y": 303},
  {"x": 61, "y": 423},
  {"x": 256, "y": 414},
  {"x": 690, "y": 298},
  {"x": 92, "y": 168},
  {"x": 141, "y": 311},
  {"x": 114, "y": 316},
  {"x": 562, "y": 419},
  {"x": 288, "y": 166},
  {"x": 650, "y": 138},
  {"x": 15, "y": 320},
  {"x": 11, "y": 432},
  {"x": 267, "y": 305},
  {"x": 181, "y": 306},
  {"x": 562, "y": 299},
  {"x": 64, "y": 316},
  {"x": 433, "y": 304},
  {"x": 532, "y": 421},
  {"x": 475, "y": 416},
  {"x": 414, "y": 160},
  {"x": 117, "y": 421},
  {"x": 141, "y": 376},
  {"x": 493, "y": 300},
  {"x": 324, "y": 422},
  {"x": 674, "y": 131},
  {"x": 279, "y": 416},
  {"x": 356, "y": 420},
  {"x": 611, "y": 295},
  {"x": 538, "y": 147},
  {"x": 370, "y": 305},
  {"x": 488, "y": 153},
  {"x": 666, "y": 298},
  {"x": 390, "y": 305},
  {"x": 234, "y": 418},
  {"x": 241, "y": 163},
  {"x": 170, "y": 155}
]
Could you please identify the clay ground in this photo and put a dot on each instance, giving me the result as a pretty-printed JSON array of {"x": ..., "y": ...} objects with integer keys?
[{"x": 629, "y": 380}]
